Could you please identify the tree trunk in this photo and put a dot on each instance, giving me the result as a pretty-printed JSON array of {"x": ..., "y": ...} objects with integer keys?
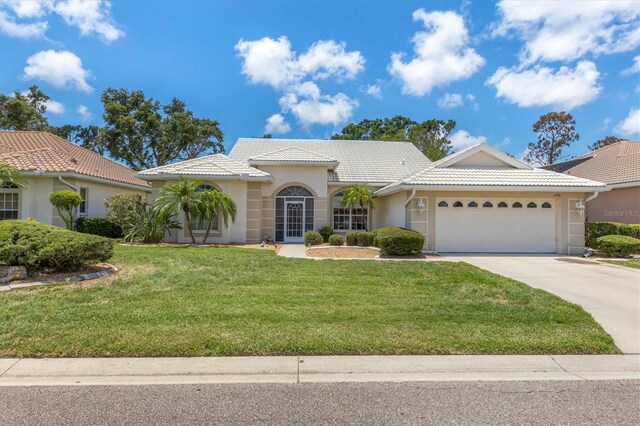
[
  {"x": 187, "y": 218},
  {"x": 206, "y": 234}
]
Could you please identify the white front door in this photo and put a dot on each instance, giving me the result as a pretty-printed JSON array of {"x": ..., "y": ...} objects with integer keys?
[{"x": 294, "y": 222}]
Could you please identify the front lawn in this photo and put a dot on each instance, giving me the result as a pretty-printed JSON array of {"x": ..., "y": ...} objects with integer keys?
[
  {"x": 631, "y": 263},
  {"x": 197, "y": 301}
]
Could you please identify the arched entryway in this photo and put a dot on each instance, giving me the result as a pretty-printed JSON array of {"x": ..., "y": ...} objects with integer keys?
[{"x": 294, "y": 214}]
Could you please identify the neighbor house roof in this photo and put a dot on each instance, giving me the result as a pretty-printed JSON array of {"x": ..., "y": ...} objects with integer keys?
[
  {"x": 292, "y": 155},
  {"x": 358, "y": 161},
  {"x": 216, "y": 165},
  {"x": 33, "y": 151},
  {"x": 514, "y": 175},
  {"x": 617, "y": 163}
]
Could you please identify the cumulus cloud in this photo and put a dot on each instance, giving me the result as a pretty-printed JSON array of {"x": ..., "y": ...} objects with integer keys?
[
  {"x": 277, "y": 125},
  {"x": 26, "y": 19},
  {"x": 463, "y": 139},
  {"x": 85, "y": 114},
  {"x": 555, "y": 31},
  {"x": 441, "y": 54},
  {"x": 62, "y": 69},
  {"x": 373, "y": 90},
  {"x": 55, "y": 107},
  {"x": 633, "y": 69},
  {"x": 630, "y": 126},
  {"x": 309, "y": 106},
  {"x": 450, "y": 100},
  {"x": 542, "y": 86}
]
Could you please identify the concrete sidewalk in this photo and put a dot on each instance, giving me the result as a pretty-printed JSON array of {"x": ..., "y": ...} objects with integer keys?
[{"x": 315, "y": 369}]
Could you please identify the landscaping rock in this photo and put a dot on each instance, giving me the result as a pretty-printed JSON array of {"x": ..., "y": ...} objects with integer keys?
[{"x": 12, "y": 273}]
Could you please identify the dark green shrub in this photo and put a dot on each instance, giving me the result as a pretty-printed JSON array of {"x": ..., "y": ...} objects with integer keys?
[
  {"x": 635, "y": 230},
  {"x": 326, "y": 232},
  {"x": 365, "y": 238},
  {"x": 120, "y": 206},
  {"x": 336, "y": 240},
  {"x": 38, "y": 247},
  {"x": 352, "y": 238},
  {"x": 98, "y": 226},
  {"x": 312, "y": 238},
  {"x": 595, "y": 230},
  {"x": 617, "y": 245},
  {"x": 148, "y": 225},
  {"x": 399, "y": 241}
]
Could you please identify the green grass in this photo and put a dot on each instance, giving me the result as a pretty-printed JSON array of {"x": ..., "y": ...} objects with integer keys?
[
  {"x": 632, "y": 263},
  {"x": 196, "y": 301}
]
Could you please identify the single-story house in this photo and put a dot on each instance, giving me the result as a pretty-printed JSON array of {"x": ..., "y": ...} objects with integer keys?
[
  {"x": 617, "y": 165},
  {"x": 50, "y": 163},
  {"x": 476, "y": 200}
]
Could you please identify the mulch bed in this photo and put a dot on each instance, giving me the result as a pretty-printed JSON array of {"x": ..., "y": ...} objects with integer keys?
[{"x": 344, "y": 253}]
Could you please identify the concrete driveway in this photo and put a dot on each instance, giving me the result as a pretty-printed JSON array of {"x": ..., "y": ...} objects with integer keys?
[{"x": 608, "y": 292}]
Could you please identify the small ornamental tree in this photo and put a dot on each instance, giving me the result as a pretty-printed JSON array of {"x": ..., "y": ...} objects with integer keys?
[
  {"x": 67, "y": 203},
  {"x": 211, "y": 204},
  {"x": 179, "y": 197},
  {"x": 120, "y": 206},
  {"x": 358, "y": 195}
]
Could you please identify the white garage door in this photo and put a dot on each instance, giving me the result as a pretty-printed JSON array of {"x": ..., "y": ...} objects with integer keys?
[{"x": 495, "y": 225}]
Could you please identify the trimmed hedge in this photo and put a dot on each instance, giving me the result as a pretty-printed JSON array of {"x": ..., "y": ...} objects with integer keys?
[
  {"x": 326, "y": 232},
  {"x": 617, "y": 245},
  {"x": 399, "y": 241},
  {"x": 595, "y": 230},
  {"x": 38, "y": 247},
  {"x": 336, "y": 240},
  {"x": 352, "y": 238},
  {"x": 312, "y": 238},
  {"x": 99, "y": 226},
  {"x": 365, "y": 238}
]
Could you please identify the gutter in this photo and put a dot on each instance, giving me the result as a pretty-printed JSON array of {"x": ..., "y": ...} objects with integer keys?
[
  {"x": 501, "y": 188},
  {"x": 591, "y": 197},
  {"x": 87, "y": 178}
]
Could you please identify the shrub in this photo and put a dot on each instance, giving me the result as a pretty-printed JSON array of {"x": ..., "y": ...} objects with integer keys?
[
  {"x": 399, "y": 241},
  {"x": 37, "y": 247},
  {"x": 67, "y": 203},
  {"x": 99, "y": 226},
  {"x": 635, "y": 230},
  {"x": 595, "y": 230},
  {"x": 148, "y": 225},
  {"x": 617, "y": 245},
  {"x": 312, "y": 238},
  {"x": 120, "y": 206},
  {"x": 352, "y": 238},
  {"x": 326, "y": 232},
  {"x": 336, "y": 240},
  {"x": 365, "y": 238}
]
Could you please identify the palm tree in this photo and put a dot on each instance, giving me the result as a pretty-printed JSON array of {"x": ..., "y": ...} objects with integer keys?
[
  {"x": 212, "y": 204},
  {"x": 177, "y": 197},
  {"x": 358, "y": 195},
  {"x": 10, "y": 176}
]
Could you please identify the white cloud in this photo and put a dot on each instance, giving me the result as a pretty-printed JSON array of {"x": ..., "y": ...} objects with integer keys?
[
  {"x": 506, "y": 141},
  {"x": 309, "y": 106},
  {"x": 84, "y": 112},
  {"x": 442, "y": 54},
  {"x": 633, "y": 69},
  {"x": 55, "y": 107},
  {"x": 541, "y": 86},
  {"x": 630, "y": 126},
  {"x": 373, "y": 90},
  {"x": 450, "y": 100},
  {"x": 605, "y": 124},
  {"x": 90, "y": 17},
  {"x": 28, "y": 8},
  {"x": 326, "y": 59},
  {"x": 10, "y": 27},
  {"x": 559, "y": 31},
  {"x": 62, "y": 69},
  {"x": 277, "y": 125},
  {"x": 462, "y": 139}
]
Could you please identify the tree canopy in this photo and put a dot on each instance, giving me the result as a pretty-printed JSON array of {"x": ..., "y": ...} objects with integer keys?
[
  {"x": 606, "y": 141},
  {"x": 555, "y": 130},
  {"x": 24, "y": 111}
]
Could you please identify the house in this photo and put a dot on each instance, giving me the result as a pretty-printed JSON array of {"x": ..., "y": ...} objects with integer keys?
[
  {"x": 476, "y": 200},
  {"x": 49, "y": 164},
  {"x": 617, "y": 165}
]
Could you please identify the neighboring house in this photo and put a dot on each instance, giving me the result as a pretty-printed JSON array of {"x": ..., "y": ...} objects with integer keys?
[
  {"x": 617, "y": 165},
  {"x": 50, "y": 163},
  {"x": 476, "y": 200}
]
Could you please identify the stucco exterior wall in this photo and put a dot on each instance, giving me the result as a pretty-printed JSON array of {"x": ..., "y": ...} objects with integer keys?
[{"x": 617, "y": 205}]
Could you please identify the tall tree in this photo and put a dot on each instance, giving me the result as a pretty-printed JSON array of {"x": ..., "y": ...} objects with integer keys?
[
  {"x": 606, "y": 141},
  {"x": 90, "y": 137},
  {"x": 142, "y": 133},
  {"x": 556, "y": 130},
  {"x": 431, "y": 137},
  {"x": 24, "y": 111}
]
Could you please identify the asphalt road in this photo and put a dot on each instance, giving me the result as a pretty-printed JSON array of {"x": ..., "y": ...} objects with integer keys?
[{"x": 549, "y": 402}]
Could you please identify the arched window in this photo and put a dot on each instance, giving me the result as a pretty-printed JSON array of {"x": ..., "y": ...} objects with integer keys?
[
  {"x": 546, "y": 205},
  {"x": 346, "y": 219},
  {"x": 532, "y": 205},
  {"x": 487, "y": 204},
  {"x": 502, "y": 205},
  {"x": 472, "y": 204},
  {"x": 517, "y": 205},
  {"x": 295, "y": 191},
  {"x": 458, "y": 204},
  {"x": 443, "y": 204}
]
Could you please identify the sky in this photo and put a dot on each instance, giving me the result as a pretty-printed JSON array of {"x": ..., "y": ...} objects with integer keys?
[{"x": 305, "y": 69}]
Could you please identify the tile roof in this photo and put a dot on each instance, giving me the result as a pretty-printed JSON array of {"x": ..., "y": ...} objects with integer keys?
[
  {"x": 30, "y": 151},
  {"x": 293, "y": 154},
  {"x": 359, "y": 161},
  {"x": 210, "y": 165},
  {"x": 616, "y": 163}
]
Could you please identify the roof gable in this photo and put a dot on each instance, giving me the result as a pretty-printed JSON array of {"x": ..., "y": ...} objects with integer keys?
[
  {"x": 215, "y": 165},
  {"x": 479, "y": 156}
]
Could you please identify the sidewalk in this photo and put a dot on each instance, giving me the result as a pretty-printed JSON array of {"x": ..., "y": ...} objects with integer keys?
[{"x": 315, "y": 369}]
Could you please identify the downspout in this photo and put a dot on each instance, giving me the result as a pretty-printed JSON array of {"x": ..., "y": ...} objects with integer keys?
[
  {"x": 67, "y": 183},
  {"x": 591, "y": 197},
  {"x": 406, "y": 211}
]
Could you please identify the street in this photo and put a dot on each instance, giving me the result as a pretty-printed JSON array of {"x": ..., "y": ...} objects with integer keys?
[{"x": 534, "y": 402}]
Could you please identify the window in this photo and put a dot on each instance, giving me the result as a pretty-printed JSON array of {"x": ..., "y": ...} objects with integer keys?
[
  {"x": 8, "y": 205},
  {"x": 296, "y": 191},
  {"x": 443, "y": 204},
  {"x": 472, "y": 204},
  {"x": 532, "y": 205},
  {"x": 502, "y": 205},
  {"x": 345, "y": 219},
  {"x": 546, "y": 205},
  {"x": 84, "y": 205},
  {"x": 517, "y": 205},
  {"x": 458, "y": 204},
  {"x": 200, "y": 225},
  {"x": 487, "y": 204}
]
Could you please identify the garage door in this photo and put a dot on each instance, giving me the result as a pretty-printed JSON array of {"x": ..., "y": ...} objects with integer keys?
[{"x": 495, "y": 225}]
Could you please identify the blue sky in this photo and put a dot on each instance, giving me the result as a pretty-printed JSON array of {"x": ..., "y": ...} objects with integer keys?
[{"x": 306, "y": 68}]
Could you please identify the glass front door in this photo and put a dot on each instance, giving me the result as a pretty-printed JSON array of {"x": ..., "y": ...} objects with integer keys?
[{"x": 294, "y": 221}]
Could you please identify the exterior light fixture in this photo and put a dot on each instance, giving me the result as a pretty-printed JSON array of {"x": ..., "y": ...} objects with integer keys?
[
  {"x": 421, "y": 205},
  {"x": 580, "y": 207}
]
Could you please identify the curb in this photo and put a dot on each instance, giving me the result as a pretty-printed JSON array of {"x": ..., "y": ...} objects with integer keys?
[{"x": 78, "y": 278}]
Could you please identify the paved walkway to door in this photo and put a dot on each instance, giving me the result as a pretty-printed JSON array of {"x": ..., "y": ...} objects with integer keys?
[{"x": 608, "y": 292}]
